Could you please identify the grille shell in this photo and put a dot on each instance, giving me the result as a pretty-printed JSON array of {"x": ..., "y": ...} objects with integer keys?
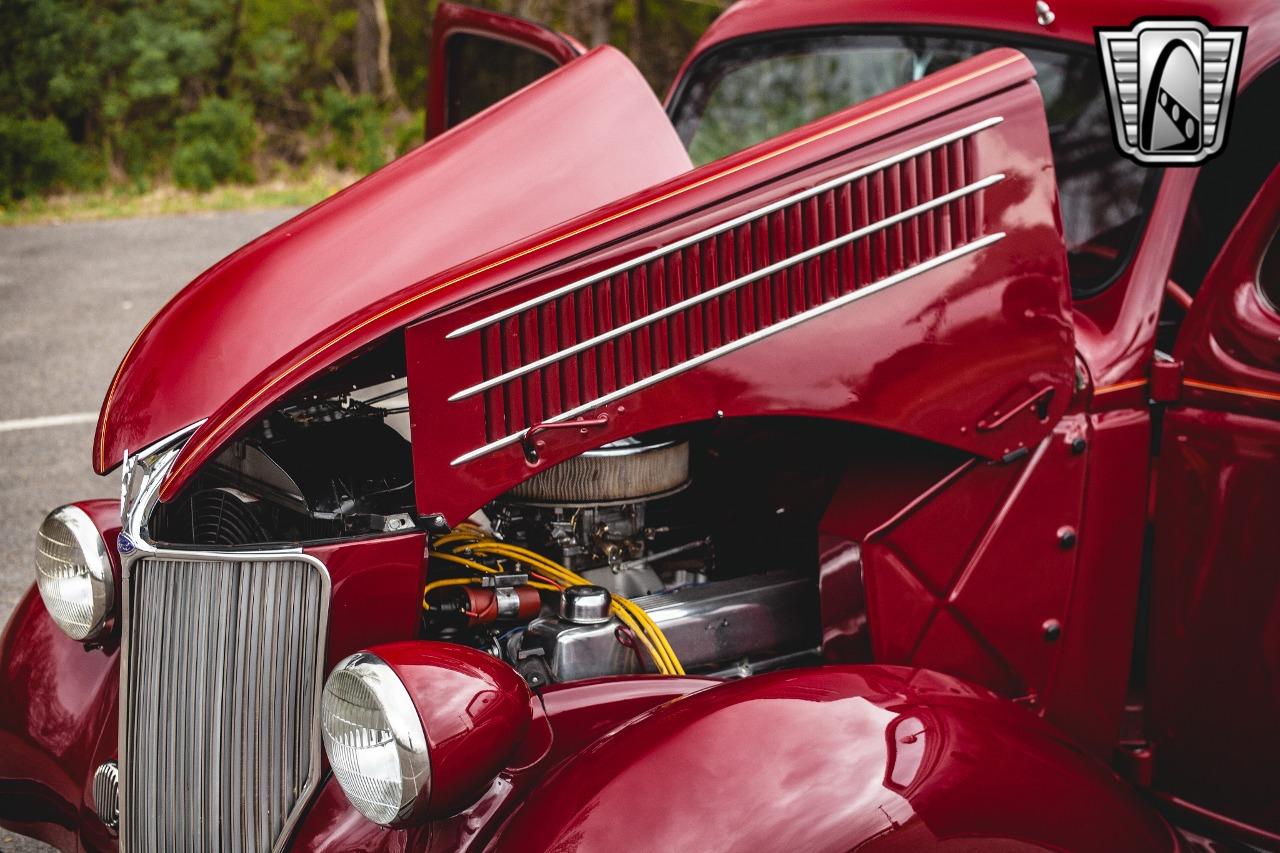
[{"x": 222, "y": 666}]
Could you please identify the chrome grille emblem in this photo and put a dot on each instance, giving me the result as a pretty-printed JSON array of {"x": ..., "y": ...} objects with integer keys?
[{"x": 1170, "y": 84}]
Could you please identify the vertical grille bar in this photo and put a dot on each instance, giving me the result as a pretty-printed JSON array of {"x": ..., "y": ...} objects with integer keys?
[{"x": 222, "y": 657}]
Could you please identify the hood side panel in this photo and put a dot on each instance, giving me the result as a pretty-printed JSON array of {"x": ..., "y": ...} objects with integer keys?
[
  {"x": 580, "y": 137},
  {"x": 898, "y": 265}
]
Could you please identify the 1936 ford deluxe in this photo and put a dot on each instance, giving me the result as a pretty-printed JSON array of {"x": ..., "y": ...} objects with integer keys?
[{"x": 857, "y": 451}]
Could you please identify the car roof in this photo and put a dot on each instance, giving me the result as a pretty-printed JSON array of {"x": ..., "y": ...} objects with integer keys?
[{"x": 1073, "y": 20}]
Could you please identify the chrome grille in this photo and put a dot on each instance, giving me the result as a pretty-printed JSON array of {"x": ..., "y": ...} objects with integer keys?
[{"x": 223, "y": 658}]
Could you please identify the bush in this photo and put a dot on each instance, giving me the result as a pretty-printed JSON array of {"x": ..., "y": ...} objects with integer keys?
[
  {"x": 215, "y": 145},
  {"x": 353, "y": 125},
  {"x": 36, "y": 157},
  {"x": 409, "y": 133}
]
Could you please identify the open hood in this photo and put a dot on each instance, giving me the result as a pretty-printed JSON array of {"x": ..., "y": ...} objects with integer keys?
[
  {"x": 351, "y": 269},
  {"x": 897, "y": 264}
]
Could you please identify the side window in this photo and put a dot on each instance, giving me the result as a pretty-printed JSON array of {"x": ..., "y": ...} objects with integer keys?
[
  {"x": 1228, "y": 183},
  {"x": 1269, "y": 274},
  {"x": 483, "y": 71}
]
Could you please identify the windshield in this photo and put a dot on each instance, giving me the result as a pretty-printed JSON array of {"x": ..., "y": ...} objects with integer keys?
[{"x": 744, "y": 93}]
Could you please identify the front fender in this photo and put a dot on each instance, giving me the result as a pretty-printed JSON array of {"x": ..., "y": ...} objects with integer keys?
[
  {"x": 57, "y": 716},
  {"x": 836, "y": 758}
]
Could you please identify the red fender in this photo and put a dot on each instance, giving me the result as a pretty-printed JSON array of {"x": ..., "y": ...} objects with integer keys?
[
  {"x": 57, "y": 715},
  {"x": 832, "y": 759}
]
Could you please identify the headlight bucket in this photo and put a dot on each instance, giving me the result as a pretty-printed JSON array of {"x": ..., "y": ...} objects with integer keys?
[
  {"x": 374, "y": 740},
  {"x": 74, "y": 573},
  {"x": 434, "y": 723}
]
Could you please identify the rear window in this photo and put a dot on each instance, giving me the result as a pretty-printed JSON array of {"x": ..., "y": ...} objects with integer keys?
[{"x": 743, "y": 93}]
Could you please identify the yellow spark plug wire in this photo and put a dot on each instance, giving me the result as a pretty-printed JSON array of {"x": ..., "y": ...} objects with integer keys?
[
  {"x": 627, "y": 612},
  {"x": 470, "y": 564},
  {"x": 470, "y": 582},
  {"x": 471, "y": 539}
]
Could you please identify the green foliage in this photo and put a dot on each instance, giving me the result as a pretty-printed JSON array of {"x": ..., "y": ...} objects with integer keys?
[
  {"x": 35, "y": 157},
  {"x": 409, "y": 134},
  {"x": 213, "y": 91},
  {"x": 351, "y": 130},
  {"x": 215, "y": 145}
]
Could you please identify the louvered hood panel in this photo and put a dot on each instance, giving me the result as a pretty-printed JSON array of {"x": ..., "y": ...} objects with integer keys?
[
  {"x": 898, "y": 264},
  {"x": 568, "y": 353}
]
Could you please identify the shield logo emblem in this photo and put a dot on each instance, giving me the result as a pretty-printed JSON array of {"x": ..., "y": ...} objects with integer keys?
[{"x": 1170, "y": 84}]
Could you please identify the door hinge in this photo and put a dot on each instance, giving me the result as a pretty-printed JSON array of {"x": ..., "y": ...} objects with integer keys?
[{"x": 1166, "y": 381}]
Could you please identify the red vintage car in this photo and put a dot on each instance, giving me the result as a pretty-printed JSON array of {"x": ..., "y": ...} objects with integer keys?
[{"x": 856, "y": 452}]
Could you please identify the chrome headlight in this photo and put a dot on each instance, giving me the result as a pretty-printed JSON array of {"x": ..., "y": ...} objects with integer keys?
[
  {"x": 374, "y": 739},
  {"x": 73, "y": 573}
]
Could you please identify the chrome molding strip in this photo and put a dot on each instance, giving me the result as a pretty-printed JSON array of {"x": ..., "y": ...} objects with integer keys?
[
  {"x": 141, "y": 475},
  {"x": 760, "y": 334},
  {"x": 727, "y": 225},
  {"x": 732, "y": 284}
]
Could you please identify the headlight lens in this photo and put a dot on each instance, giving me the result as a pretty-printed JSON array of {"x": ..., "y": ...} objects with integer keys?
[
  {"x": 73, "y": 573},
  {"x": 374, "y": 740}
]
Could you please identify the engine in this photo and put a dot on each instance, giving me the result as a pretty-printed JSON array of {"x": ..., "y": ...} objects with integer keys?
[{"x": 623, "y": 518}]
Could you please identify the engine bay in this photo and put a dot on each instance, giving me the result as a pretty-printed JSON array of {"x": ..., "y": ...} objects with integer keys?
[{"x": 691, "y": 550}]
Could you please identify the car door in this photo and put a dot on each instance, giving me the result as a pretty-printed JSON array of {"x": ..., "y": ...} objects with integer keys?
[
  {"x": 898, "y": 264},
  {"x": 480, "y": 57},
  {"x": 1214, "y": 659}
]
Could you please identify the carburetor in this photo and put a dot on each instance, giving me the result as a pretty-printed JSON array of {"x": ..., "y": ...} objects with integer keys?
[{"x": 593, "y": 515}]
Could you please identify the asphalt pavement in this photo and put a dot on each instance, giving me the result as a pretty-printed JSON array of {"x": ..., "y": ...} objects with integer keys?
[{"x": 72, "y": 299}]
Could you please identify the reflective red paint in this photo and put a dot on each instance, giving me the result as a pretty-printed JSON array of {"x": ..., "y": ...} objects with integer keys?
[
  {"x": 376, "y": 591},
  {"x": 834, "y": 759},
  {"x": 475, "y": 712},
  {"x": 338, "y": 271},
  {"x": 58, "y": 717},
  {"x": 1114, "y": 330},
  {"x": 58, "y": 699},
  {"x": 1215, "y": 628},
  {"x": 895, "y": 767},
  {"x": 975, "y": 602},
  {"x": 1088, "y": 694},
  {"x": 576, "y": 715}
]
